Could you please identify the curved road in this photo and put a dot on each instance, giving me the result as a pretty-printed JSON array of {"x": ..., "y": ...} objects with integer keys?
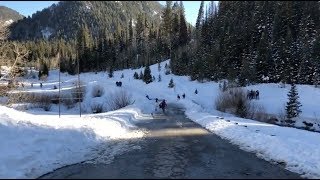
[{"x": 176, "y": 147}]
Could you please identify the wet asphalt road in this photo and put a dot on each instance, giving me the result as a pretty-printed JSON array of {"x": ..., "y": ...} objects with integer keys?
[{"x": 176, "y": 147}]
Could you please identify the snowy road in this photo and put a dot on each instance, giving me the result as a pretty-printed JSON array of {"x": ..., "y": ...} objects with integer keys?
[{"x": 176, "y": 147}]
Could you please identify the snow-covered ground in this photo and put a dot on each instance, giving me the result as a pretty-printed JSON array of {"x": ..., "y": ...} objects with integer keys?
[
  {"x": 296, "y": 148},
  {"x": 35, "y": 143}
]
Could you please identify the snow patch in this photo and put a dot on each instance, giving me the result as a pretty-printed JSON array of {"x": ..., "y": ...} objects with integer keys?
[
  {"x": 46, "y": 33},
  {"x": 155, "y": 12},
  {"x": 8, "y": 22}
]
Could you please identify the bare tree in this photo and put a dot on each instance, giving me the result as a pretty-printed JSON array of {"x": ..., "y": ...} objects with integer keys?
[{"x": 20, "y": 51}]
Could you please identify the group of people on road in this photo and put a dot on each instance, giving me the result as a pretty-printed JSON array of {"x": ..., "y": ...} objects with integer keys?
[{"x": 162, "y": 105}]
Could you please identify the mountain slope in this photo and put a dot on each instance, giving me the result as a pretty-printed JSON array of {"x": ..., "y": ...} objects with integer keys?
[
  {"x": 65, "y": 18},
  {"x": 8, "y": 15}
]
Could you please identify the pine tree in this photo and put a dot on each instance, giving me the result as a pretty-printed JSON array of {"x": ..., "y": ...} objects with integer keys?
[
  {"x": 147, "y": 78},
  {"x": 171, "y": 84},
  {"x": 293, "y": 105},
  {"x": 241, "y": 110},
  {"x": 316, "y": 59},
  {"x": 136, "y": 75},
  {"x": 84, "y": 44},
  {"x": 183, "y": 31},
  {"x": 71, "y": 66},
  {"x": 110, "y": 72},
  {"x": 140, "y": 39},
  {"x": 167, "y": 17},
  {"x": 261, "y": 66},
  {"x": 175, "y": 32},
  {"x": 45, "y": 70},
  {"x": 306, "y": 38},
  {"x": 199, "y": 19}
]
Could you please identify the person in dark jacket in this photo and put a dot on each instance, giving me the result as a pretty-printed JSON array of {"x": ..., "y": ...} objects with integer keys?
[
  {"x": 183, "y": 95},
  {"x": 163, "y": 105}
]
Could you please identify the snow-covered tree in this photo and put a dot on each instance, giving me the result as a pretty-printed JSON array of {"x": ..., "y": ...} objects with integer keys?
[
  {"x": 147, "y": 78},
  {"x": 171, "y": 84},
  {"x": 293, "y": 105}
]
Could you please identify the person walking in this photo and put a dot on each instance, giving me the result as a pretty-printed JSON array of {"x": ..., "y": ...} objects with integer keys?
[{"x": 163, "y": 105}]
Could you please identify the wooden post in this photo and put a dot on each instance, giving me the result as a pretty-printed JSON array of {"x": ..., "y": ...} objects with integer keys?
[
  {"x": 79, "y": 87},
  {"x": 59, "y": 87}
]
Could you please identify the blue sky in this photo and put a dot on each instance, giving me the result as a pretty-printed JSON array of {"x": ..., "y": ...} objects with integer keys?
[{"x": 27, "y": 8}]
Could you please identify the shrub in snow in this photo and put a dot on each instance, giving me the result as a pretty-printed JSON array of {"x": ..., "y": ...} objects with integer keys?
[
  {"x": 241, "y": 108},
  {"x": 46, "y": 106},
  {"x": 308, "y": 126},
  {"x": 293, "y": 105},
  {"x": 97, "y": 108},
  {"x": 3, "y": 90},
  {"x": 54, "y": 99},
  {"x": 136, "y": 75},
  {"x": 234, "y": 101},
  {"x": 21, "y": 97},
  {"x": 171, "y": 84},
  {"x": 258, "y": 112},
  {"x": 68, "y": 101},
  {"x": 97, "y": 91},
  {"x": 281, "y": 116},
  {"x": 119, "y": 99},
  {"x": 18, "y": 71},
  {"x": 39, "y": 100}
]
